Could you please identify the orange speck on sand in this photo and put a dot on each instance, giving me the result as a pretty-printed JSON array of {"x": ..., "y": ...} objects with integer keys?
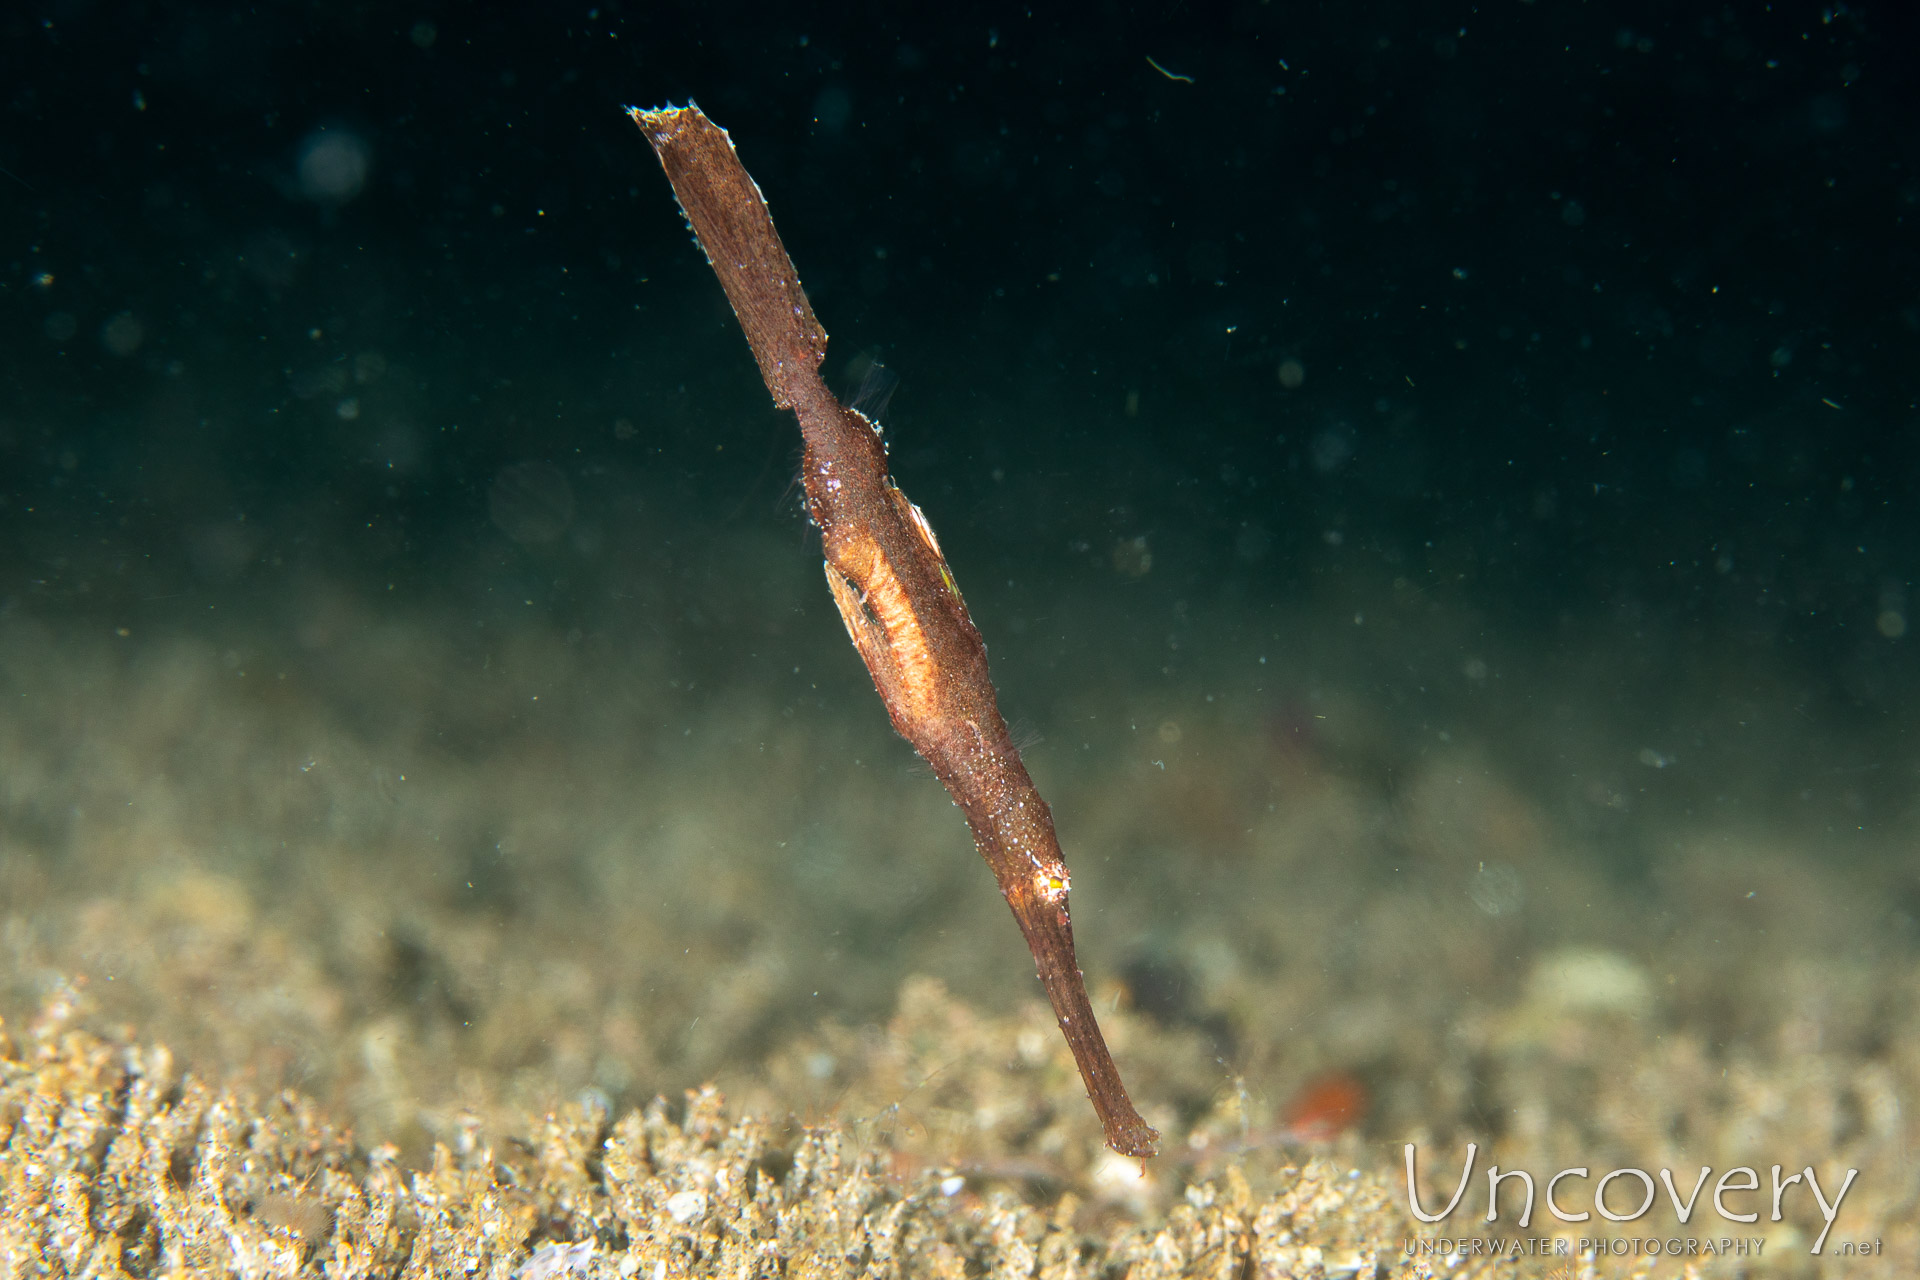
[{"x": 1324, "y": 1108}]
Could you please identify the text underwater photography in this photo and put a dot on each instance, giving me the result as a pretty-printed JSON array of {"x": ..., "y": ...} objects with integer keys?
[{"x": 1739, "y": 1179}]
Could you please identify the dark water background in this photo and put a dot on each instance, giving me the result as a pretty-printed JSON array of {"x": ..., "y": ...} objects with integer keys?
[{"x": 1574, "y": 294}]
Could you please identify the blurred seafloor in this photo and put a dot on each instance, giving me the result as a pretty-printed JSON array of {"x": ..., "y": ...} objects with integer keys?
[{"x": 443, "y": 870}]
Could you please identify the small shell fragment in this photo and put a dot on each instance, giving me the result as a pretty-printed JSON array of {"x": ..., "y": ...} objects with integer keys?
[{"x": 684, "y": 1206}]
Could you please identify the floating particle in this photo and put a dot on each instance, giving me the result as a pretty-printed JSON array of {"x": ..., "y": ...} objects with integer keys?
[
  {"x": 531, "y": 502},
  {"x": 123, "y": 334},
  {"x": 333, "y": 165},
  {"x": 1132, "y": 558},
  {"x": 1497, "y": 889}
]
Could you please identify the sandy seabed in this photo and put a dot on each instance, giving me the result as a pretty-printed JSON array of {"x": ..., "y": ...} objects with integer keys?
[{"x": 343, "y": 936}]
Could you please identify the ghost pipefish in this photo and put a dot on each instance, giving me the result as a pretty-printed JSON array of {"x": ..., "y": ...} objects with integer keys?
[{"x": 893, "y": 588}]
